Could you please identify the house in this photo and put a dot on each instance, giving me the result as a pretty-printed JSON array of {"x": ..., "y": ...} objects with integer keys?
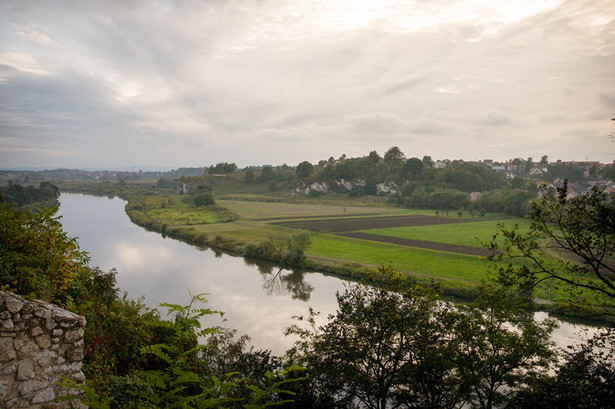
[
  {"x": 474, "y": 196},
  {"x": 439, "y": 165},
  {"x": 535, "y": 171}
]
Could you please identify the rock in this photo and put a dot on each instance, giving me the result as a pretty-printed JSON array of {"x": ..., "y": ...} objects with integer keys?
[
  {"x": 7, "y": 325},
  {"x": 25, "y": 370},
  {"x": 13, "y": 305},
  {"x": 5, "y": 388},
  {"x": 60, "y": 315},
  {"x": 28, "y": 387},
  {"x": 29, "y": 350},
  {"x": 43, "y": 341},
  {"x": 73, "y": 335},
  {"x": 7, "y": 351},
  {"x": 44, "y": 396}
]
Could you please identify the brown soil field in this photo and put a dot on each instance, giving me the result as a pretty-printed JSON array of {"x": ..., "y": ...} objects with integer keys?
[
  {"x": 431, "y": 245},
  {"x": 340, "y": 225}
]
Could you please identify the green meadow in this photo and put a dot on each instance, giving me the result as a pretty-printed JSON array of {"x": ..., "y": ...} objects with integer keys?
[{"x": 472, "y": 234}]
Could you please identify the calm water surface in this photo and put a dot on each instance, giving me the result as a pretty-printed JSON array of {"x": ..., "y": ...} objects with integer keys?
[{"x": 257, "y": 299}]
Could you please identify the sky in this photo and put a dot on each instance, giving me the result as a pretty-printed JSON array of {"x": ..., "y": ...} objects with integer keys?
[{"x": 176, "y": 83}]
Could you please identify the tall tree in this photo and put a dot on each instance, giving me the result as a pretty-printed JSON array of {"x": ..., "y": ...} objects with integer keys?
[{"x": 304, "y": 170}]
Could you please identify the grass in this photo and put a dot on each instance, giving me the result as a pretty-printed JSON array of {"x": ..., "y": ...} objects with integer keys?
[
  {"x": 466, "y": 234},
  {"x": 246, "y": 231},
  {"x": 263, "y": 210},
  {"x": 435, "y": 264}
]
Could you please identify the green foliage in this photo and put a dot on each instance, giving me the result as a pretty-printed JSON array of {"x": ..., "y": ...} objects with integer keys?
[
  {"x": 37, "y": 258},
  {"x": 388, "y": 349},
  {"x": 514, "y": 202},
  {"x": 290, "y": 252},
  {"x": 22, "y": 197},
  {"x": 304, "y": 170},
  {"x": 443, "y": 199},
  {"x": 249, "y": 177},
  {"x": 222, "y": 167},
  {"x": 203, "y": 199},
  {"x": 182, "y": 371},
  {"x": 498, "y": 346},
  {"x": 571, "y": 243},
  {"x": 585, "y": 379}
]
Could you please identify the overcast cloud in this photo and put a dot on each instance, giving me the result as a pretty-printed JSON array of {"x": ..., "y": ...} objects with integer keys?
[{"x": 192, "y": 83}]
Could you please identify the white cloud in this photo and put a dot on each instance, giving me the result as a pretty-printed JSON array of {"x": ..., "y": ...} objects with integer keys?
[{"x": 185, "y": 83}]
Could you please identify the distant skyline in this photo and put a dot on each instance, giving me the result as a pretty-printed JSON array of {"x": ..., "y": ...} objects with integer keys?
[{"x": 168, "y": 84}]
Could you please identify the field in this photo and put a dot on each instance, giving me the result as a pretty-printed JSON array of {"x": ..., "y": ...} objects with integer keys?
[{"x": 344, "y": 234}]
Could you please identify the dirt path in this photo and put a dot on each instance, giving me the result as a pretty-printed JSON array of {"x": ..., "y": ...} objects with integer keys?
[{"x": 431, "y": 245}]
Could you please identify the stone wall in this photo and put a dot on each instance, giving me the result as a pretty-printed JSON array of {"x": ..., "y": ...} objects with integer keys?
[{"x": 40, "y": 344}]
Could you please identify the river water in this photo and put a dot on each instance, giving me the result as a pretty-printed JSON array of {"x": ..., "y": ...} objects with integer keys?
[{"x": 257, "y": 298}]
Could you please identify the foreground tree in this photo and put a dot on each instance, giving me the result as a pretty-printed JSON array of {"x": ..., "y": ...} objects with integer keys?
[
  {"x": 386, "y": 349},
  {"x": 499, "y": 347},
  {"x": 571, "y": 243},
  {"x": 585, "y": 379},
  {"x": 37, "y": 258},
  {"x": 382, "y": 349}
]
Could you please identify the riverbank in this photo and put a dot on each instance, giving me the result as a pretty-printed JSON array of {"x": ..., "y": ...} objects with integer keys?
[{"x": 236, "y": 222}]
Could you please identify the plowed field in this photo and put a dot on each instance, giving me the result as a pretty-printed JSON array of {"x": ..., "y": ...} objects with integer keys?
[{"x": 348, "y": 227}]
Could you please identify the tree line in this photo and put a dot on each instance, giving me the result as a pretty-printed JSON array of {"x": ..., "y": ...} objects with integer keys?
[{"x": 20, "y": 196}]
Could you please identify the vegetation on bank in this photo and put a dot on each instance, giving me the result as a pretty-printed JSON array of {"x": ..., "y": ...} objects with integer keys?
[
  {"x": 239, "y": 222},
  {"x": 30, "y": 197},
  {"x": 381, "y": 348}
]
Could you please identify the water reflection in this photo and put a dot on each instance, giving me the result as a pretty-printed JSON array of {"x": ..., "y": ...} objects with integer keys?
[
  {"x": 279, "y": 281},
  {"x": 257, "y": 297}
]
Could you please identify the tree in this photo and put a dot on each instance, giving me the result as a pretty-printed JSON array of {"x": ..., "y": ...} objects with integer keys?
[
  {"x": 374, "y": 157},
  {"x": 413, "y": 168},
  {"x": 37, "y": 258},
  {"x": 585, "y": 379},
  {"x": 571, "y": 242},
  {"x": 249, "y": 177},
  {"x": 204, "y": 199},
  {"x": 529, "y": 164},
  {"x": 304, "y": 170},
  {"x": 394, "y": 158},
  {"x": 267, "y": 174},
  {"x": 498, "y": 346},
  {"x": 388, "y": 349},
  {"x": 382, "y": 349}
]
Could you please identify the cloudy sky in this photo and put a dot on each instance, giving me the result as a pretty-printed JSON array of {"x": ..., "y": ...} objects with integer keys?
[{"x": 175, "y": 83}]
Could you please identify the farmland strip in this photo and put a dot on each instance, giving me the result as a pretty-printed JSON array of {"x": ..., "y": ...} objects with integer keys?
[{"x": 431, "y": 245}]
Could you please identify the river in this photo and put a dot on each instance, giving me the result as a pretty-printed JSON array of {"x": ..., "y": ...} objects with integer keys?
[{"x": 257, "y": 298}]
